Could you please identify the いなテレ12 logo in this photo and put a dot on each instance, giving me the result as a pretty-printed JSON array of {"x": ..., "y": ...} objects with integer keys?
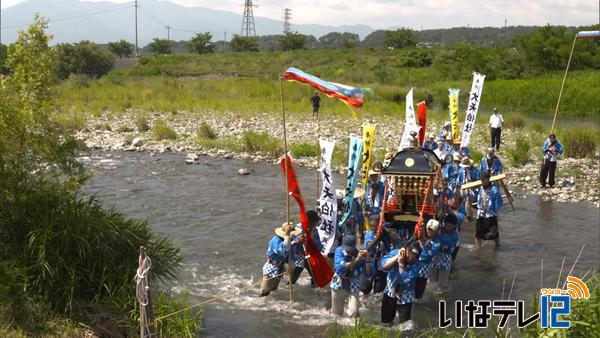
[{"x": 557, "y": 302}]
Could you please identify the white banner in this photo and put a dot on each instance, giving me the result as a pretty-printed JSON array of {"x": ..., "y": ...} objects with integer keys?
[
  {"x": 474, "y": 99},
  {"x": 411, "y": 122},
  {"x": 327, "y": 204}
]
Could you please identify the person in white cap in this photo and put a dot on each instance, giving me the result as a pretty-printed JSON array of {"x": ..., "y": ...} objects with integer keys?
[
  {"x": 430, "y": 143},
  {"x": 495, "y": 125},
  {"x": 491, "y": 164},
  {"x": 430, "y": 248}
]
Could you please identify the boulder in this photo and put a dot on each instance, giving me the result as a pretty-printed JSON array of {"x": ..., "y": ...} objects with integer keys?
[
  {"x": 137, "y": 142},
  {"x": 243, "y": 171}
]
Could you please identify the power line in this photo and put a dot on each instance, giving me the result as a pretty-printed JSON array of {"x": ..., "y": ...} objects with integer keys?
[{"x": 72, "y": 15}]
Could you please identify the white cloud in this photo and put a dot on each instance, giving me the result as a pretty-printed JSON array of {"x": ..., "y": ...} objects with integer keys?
[{"x": 412, "y": 13}]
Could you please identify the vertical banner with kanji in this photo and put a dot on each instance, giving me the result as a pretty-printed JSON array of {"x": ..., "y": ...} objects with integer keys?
[
  {"x": 327, "y": 206},
  {"x": 354, "y": 162},
  {"x": 474, "y": 99},
  {"x": 367, "y": 158},
  {"x": 422, "y": 121},
  {"x": 453, "y": 109},
  {"x": 410, "y": 124}
]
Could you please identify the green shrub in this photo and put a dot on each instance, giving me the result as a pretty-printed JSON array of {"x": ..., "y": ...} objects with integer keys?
[
  {"x": 579, "y": 142},
  {"x": 304, "y": 150},
  {"x": 184, "y": 324},
  {"x": 162, "y": 131},
  {"x": 515, "y": 122},
  {"x": 261, "y": 142},
  {"x": 206, "y": 132},
  {"x": 519, "y": 155},
  {"x": 70, "y": 121},
  {"x": 141, "y": 122}
]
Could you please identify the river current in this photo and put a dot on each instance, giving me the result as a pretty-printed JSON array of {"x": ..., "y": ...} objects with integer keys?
[{"x": 222, "y": 222}]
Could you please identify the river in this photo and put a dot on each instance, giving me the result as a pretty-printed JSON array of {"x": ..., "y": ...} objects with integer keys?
[{"x": 222, "y": 222}]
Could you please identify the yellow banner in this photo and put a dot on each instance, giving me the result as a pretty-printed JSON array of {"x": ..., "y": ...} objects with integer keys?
[
  {"x": 367, "y": 159},
  {"x": 453, "y": 96}
]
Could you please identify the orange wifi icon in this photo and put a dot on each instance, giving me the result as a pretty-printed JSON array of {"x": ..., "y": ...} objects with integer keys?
[{"x": 576, "y": 288}]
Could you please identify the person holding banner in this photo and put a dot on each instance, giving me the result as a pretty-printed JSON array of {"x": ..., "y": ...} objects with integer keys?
[
  {"x": 445, "y": 131},
  {"x": 300, "y": 254},
  {"x": 551, "y": 150},
  {"x": 495, "y": 126},
  {"x": 349, "y": 265},
  {"x": 276, "y": 257}
]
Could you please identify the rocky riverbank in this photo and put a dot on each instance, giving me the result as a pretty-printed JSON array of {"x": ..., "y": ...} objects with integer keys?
[{"x": 578, "y": 180}]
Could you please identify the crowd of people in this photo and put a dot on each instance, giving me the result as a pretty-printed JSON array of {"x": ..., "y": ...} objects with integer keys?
[{"x": 399, "y": 262}]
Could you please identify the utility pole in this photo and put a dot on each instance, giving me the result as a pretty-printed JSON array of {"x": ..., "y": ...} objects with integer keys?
[
  {"x": 168, "y": 32},
  {"x": 287, "y": 16},
  {"x": 248, "y": 28},
  {"x": 136, "y": 31},
  {"x": 225, "y": 37},
  {"x": 505, "y": 23}
]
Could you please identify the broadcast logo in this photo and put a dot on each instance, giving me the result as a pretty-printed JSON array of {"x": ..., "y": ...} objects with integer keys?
[{"x": 554, "y": 302}]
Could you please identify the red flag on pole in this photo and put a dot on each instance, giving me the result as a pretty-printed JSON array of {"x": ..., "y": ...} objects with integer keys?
[
  {"x": 421, "y": 121},
  {"x": 322, "y": 272}
]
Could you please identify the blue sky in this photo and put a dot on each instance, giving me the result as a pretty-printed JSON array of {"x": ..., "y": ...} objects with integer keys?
[{"x": 412, "y": 13}]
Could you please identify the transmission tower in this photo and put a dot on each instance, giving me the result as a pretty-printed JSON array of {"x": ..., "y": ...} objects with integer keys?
[
  {"x": 248, "y": 28},
  {"x": 287, "y": 16}
]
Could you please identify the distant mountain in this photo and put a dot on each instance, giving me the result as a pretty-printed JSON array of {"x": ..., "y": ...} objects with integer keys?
[{"x": 101, "y": 22}]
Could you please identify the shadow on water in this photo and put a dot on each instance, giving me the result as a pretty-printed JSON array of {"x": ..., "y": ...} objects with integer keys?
[{"x": 223, "y": 221}]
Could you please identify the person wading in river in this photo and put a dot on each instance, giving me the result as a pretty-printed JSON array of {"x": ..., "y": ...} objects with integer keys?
[
  {"x": 448, "y": 240},
  {"x": 277, "y": 255},
  {"x": 299, "y": 254},
  {"x": 489, "y": 202},
  {"x": 349, "y": 265},
  {"x": 402, "y": 267}
]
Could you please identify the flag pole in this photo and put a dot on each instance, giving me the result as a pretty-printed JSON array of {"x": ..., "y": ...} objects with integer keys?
[
  {"x": 287, "y": 186},
  {"x": 563, "y": 84}
]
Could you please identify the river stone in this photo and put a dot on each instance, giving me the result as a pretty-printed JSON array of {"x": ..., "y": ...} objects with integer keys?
[
  {"x": 243, "y": 171},
  {"x": 191, "y": 157},
  {"x": 137, "y": 142}
]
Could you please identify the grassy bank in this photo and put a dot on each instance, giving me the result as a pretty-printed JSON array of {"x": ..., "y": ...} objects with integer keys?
[{"x": 248, "y": 82}]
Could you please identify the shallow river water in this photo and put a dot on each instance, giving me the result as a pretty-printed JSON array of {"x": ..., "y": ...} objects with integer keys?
[{"x": 222, "y": 222}]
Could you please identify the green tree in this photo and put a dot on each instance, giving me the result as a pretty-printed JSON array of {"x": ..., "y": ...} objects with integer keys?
[
  {"x": 244, "y": 43},
  {"x": 83, "y": 57},
  {"x": 400, "y": 38},
  {"x": 59, "y": 252},
  {"x": 292, "y": 41},
  {"x": 121, "y": 48},
  {"x": 160, "y": 46},
  {"x": 375, "y": 40},
  {"x": 201, "y": 43},
  {"x": 3, "y": 54},
  {"x": 336, "y": 40}
]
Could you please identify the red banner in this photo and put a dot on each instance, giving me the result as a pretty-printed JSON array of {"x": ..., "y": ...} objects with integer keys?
[
  {"x": 322, "y": 272},
  {"x": 421, "y": 121}
]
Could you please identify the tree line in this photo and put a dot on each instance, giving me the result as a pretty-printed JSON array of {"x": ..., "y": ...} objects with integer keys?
[{"x": 509, "y": 52}]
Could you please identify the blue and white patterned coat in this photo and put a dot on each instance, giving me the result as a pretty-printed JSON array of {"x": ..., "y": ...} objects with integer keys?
[
  {"x": 404, "y": 281},
  {"x": 341, "y": 261}
]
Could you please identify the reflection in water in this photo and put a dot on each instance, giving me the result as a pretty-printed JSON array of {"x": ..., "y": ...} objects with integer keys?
[{"x": 223, "y": 221}]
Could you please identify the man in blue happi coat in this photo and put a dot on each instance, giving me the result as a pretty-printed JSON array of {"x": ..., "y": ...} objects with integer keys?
[
  {"x": 491, "y": 164},
  {"x": 349, "y": 266},
  {"x": 402, "y": 267},
  {"x": 489, "y": 203},
  {"x": 277, "y": 255},
  {"x": 448, "y": 240},
  {"x": 550, "y": 150},
  {"x": 430, "y": 143}
]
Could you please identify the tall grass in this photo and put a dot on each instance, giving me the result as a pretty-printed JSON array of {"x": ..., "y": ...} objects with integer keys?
[
  {"x": 218, "y": 82},
  {"x": 519, "y": 155},
  {"x": 161, "y": 131},
  {"x": 184, "y": 324},
  {"x": 205, "y": 131},
  {"x": 304, "y": 150},
  {"x": 253, "y": 142},
  {"x": 579, "y": 142}
]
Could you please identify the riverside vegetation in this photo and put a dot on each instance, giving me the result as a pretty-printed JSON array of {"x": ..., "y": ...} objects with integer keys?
[{"x": 66, "y": 262}]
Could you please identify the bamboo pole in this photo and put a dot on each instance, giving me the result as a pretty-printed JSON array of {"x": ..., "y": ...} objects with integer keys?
[
  {"x": 563, "y": 84},
  {"x": 287, "y": 186}
]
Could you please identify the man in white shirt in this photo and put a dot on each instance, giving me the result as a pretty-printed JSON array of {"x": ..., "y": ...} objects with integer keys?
[{"x": 495, "y": 125}]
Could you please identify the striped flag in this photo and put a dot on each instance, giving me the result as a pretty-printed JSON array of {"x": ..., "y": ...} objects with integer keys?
[
  {"x": 588, "y": 35},
  {"x": 351, "y": 96}
]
